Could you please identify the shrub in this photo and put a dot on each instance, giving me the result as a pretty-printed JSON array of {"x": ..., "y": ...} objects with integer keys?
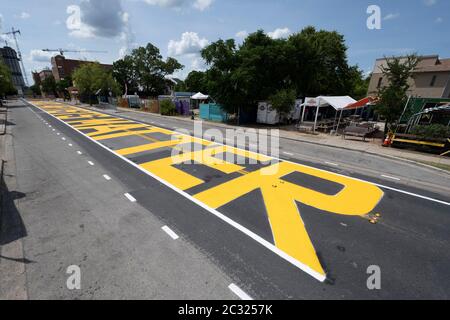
[
  {"x": 283, "y": 100},
  {"x": 167, "y": 108},
  {"x": 431, "y": 131}
]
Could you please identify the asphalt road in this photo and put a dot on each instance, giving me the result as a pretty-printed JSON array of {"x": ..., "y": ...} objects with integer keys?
[{"x": 299, "y": 232}]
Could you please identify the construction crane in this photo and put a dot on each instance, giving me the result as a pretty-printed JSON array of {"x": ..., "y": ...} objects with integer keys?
[
  {"x": 13, "y": 33},
  {"x": 61, "y": 51}
]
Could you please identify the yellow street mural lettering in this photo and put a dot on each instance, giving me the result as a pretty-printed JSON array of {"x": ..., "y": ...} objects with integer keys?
[
  {"x": 280, "y": 197},
  {"x": 290, "y": 235}
]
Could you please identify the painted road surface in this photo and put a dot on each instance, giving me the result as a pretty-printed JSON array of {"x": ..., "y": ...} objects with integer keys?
[{"x": 278, "y": 204}]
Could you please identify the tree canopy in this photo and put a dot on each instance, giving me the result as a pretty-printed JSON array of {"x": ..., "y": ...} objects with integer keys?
[
  {"x": 195, "y": 82},
  {"x": 92, "y": 77},
  {"x": 308, "y": 63},
  {"x": 49, "y": 85},
  {"x": 6, "y": 84},
  {"x": 144, "y": 71}
]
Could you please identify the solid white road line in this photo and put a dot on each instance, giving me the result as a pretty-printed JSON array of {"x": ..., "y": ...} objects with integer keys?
[
  {"x": 79, "y": 152},
  {"x": 389, "y": 177},
  {"x": 106, "y": 177},
  {"x": 91, "y": 163},
  {"x": 238, "y": 291},
  {"x": 169, "y": 231},
  {"x": 130, "y": 197}
]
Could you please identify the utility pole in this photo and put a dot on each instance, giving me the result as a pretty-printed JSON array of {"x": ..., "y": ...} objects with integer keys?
[{"x": 13, "y": 33}]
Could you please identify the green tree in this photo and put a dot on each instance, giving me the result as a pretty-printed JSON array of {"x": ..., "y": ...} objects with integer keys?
[
  {"x": 145, "y": 69},
  {"x": 283, "y": 100},
  {"x": 36, "y": 90},
  {"x": 6, "y": 84},
  {"x": 91, "y": 78},
  {"x": 125, "y": 75},
  {"x": 310, "y": 62},
  {"x": 196, "y": 82},
  {"x": 62, "y": 85},
  {"x": 358, "y": 84},
  {"x": 319, "y": 63},
  {"x": 393, "y": 97},
  {"x": 223, "y": 82},
  {"x": 49, "y": 86}
]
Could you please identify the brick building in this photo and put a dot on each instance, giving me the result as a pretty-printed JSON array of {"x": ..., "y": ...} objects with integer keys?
[{"x": 62, "y": 67}]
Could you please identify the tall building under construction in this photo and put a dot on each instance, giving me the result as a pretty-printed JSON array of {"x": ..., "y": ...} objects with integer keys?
[{"x": 12, "y": 61}]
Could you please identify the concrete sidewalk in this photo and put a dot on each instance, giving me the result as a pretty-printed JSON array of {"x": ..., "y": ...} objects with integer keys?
[{"x": 371, "y": 147}]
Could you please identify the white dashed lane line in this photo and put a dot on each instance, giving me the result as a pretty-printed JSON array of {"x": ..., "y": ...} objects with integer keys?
[
  {"x": 169, "y": 231},
  {"x": 288, "y": 153},
  {"x": 79, "y": 152},
  {"x": 390, "y": 177},
  {"x": 91, "y": 163},
  {"x": 332, "y": 164},
  {"x": 106, "y": 177},
  {"x": 238, "y": 291},
  {"x": 70, "y": 145},
  {"x": 130, "y": 197}
]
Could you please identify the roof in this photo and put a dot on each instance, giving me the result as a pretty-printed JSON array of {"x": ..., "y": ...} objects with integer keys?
[
  {"x": 430, "y": 63},
  {"x": 199, "y": 96},
  {"x": 361, "y": 103},
  {"x": 337, "y": 102},
  {"x": 440, "y": 66}
]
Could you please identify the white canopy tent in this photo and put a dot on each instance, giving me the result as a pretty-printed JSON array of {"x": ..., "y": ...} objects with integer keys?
[
  {"x": 339, "y": 103},
  {"x": 199, "y": 96}
]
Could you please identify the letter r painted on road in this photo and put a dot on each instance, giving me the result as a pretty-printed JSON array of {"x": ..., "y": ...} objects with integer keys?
[{"x": 357, "y": 198}]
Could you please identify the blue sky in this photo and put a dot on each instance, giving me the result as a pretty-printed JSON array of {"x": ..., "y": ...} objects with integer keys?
[{"x": 180, "y": 28}]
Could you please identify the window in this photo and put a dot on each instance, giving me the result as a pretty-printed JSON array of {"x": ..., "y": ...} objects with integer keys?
[
  {"x": 379, "y": 82},
  {"x": 433, "y": 81}
]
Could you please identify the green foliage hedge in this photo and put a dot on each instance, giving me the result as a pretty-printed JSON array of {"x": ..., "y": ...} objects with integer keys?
[
  {"x": 167, "y": 108},
  {"x": 434, "y": 131}
]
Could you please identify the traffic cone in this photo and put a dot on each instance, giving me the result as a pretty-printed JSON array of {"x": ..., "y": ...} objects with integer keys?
[{"x": 387, "y": 142}]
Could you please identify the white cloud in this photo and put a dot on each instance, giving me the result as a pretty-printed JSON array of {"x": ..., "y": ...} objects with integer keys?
[
  {"x": 187, "y": 50},
  {"x": 190, "y": 43},
  {"x": 178, "y": 4},
  {"x": 97, "y": 18},
  {"x": 391, "y": 16},
  {"x": 37, "y": 55},
  {"x": 242, "y": 34},
  {"x": 429, "y": 3},
  {"x": 24, "y": 15},
  {"x": 202, "y": 4},
  {"x": 279, "y": 33}
]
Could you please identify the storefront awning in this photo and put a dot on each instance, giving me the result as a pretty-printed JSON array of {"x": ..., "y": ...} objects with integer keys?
[{"x": 361, "y": 103}]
